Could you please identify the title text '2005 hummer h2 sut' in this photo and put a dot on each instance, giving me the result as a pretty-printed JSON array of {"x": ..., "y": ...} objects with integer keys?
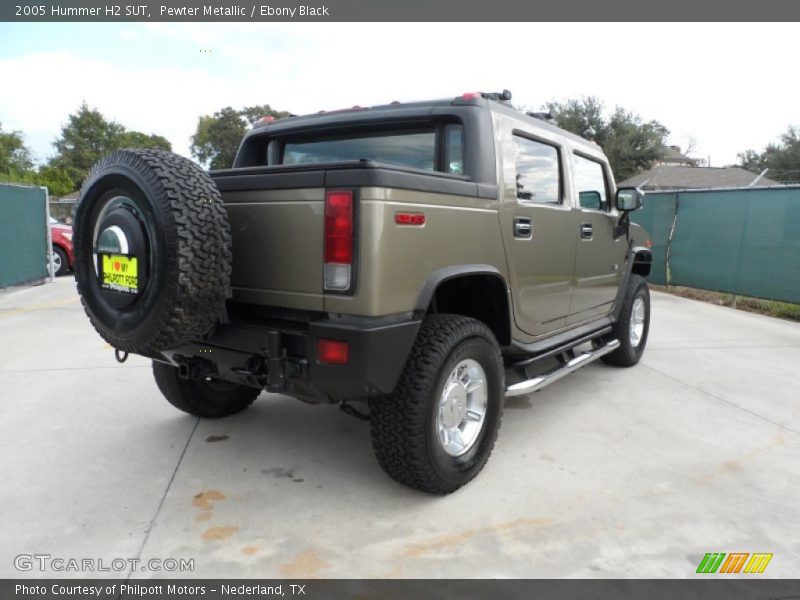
[{"x": 417, "y": 261}]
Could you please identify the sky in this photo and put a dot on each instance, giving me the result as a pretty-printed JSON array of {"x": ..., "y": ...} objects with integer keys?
[{"x": 728, "y": 87}]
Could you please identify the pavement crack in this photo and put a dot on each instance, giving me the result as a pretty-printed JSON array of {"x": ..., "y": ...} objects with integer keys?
[
  {"x": 728, "y": 402},
  {"x": 163, "y": 498}
]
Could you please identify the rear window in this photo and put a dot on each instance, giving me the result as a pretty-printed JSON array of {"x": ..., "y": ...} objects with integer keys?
[{"x": 415, "y": 149}]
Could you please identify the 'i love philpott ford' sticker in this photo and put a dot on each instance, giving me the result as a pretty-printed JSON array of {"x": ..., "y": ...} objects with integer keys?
[{"x": 120, "y": 273}]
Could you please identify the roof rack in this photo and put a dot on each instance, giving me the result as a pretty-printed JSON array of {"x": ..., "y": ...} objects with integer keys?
[
  {"x": 504, "y": 96},
  {"x": 544, "y": 116}
]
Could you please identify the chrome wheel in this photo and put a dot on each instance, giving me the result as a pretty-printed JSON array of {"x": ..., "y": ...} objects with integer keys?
[
  {"x": 462, "y": 407},
  {"x": 638, "y": 315},
  {"x": 56, "y": 262}
]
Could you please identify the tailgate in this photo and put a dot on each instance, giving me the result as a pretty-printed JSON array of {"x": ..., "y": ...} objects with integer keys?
[{"x": 277, "y": 240}]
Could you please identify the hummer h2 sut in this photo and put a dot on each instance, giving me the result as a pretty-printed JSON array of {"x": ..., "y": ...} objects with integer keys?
[{"x": 415, "y": 263}]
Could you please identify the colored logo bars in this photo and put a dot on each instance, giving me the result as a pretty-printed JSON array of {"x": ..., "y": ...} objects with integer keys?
[{"x": 716, "y": 562}]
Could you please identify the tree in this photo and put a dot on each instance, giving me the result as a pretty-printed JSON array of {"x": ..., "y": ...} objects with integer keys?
[
  {"x": 752, "y": 161},
  {"x": 85, "y": 138},
  {"x": 782, "y": 159},
  {"x": 137, "y": 139},
  {"x": 57, "y": 181},
  {"x": 630, "y": 144},
  {"x": 582, "y": 117},
  {"x": 88, "y": 136},
  {"x": 217, "y": 137},
  {"x": 259, "y": 111},
  {"x": 15, "y": 157},
  {"x": 16, "y": 165}
]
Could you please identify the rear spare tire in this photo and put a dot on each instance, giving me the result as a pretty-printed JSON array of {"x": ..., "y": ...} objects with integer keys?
[
  {"x": 206, "y": 398},
  {"x": 152, "y": 250}
]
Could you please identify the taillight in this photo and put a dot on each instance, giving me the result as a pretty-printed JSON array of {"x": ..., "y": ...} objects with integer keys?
[
  {"x": 333, "y": 352},
  {"x": 339, "y": 238}
]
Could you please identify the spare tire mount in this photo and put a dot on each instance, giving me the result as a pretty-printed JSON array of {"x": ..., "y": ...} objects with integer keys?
[{"x": 121, "y": 244}]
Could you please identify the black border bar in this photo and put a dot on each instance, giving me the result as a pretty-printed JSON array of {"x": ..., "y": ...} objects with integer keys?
[
  {"x": 750, "y": 587},
  {"x": 265, "y": 11}
]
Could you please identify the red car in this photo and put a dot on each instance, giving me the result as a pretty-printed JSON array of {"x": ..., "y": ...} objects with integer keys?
[{"x": 63, "y": 259}]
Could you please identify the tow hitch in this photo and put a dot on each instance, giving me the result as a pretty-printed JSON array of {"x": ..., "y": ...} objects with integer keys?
[
  {"x": 192, "y": 367},
  {"x": 272, "y": 368}
]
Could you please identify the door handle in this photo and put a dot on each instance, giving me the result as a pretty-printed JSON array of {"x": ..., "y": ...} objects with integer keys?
[
  {"x": 586, "y": 231},
  {"x": 523, "y": 227}
]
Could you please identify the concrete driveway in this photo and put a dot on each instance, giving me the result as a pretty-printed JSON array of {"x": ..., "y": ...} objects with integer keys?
[{"x": 609, "y": 473}]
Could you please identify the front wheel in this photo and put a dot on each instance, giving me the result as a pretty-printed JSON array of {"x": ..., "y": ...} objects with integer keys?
[
  {"x": 436, "y": 431},
  {"x": 209, "y": 399},
  {"x": 633, "y": 325}
]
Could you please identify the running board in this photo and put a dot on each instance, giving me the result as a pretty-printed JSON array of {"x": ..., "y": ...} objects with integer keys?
[{"x": 537, "y": 383}]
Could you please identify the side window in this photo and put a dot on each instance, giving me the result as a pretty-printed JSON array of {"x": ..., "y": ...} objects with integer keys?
[
  {"x": 538, "y": 172},
  {"x": 590, "y": 181},
  {"x": 454, "y": 149}
]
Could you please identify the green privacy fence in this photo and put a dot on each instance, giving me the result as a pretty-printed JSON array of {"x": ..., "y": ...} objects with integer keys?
[
  {"x": 23, "y": 234},
  {"x": 742, "y": 241}
]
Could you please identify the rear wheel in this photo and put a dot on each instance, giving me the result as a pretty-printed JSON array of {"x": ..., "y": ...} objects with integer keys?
[
  {"x": 633, "y": 325},
  {"x": 436, "y": 431},
  {"x": 206, "y": 398}
]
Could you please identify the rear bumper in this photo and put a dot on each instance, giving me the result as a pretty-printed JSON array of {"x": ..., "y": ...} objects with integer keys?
[{"x": 281, "y": 355}]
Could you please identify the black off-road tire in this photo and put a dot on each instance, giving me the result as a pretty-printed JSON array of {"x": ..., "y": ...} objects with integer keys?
[
  {"x": 206, "y": 399},
  {"x": 403, "y": 424},
  {"x": 186, "y": 265},
  {"x": 628, "y": 354}
]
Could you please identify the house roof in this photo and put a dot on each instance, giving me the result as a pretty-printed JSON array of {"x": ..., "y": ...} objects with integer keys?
[{"x": 666, "y": 177}]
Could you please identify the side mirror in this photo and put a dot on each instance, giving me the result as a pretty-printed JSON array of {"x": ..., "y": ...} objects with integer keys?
[
  {"x": 629, "y": 199},
  {"x": 590, "y": 199}
]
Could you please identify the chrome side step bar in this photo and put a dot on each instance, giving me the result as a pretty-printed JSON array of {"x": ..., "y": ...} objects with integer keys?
[{"x": 537, "y": 383}]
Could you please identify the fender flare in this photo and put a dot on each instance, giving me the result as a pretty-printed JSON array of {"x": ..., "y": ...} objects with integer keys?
[
  {"x": 642, "y": 256},
  {"x": 635, "y": 255},
  {"x": 439, "y": 276}
]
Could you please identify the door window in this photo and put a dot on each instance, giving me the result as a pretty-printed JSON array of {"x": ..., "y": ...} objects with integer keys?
[
  {"x": 590, "y": 181},
  {"x": 538, "y": 172}
]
